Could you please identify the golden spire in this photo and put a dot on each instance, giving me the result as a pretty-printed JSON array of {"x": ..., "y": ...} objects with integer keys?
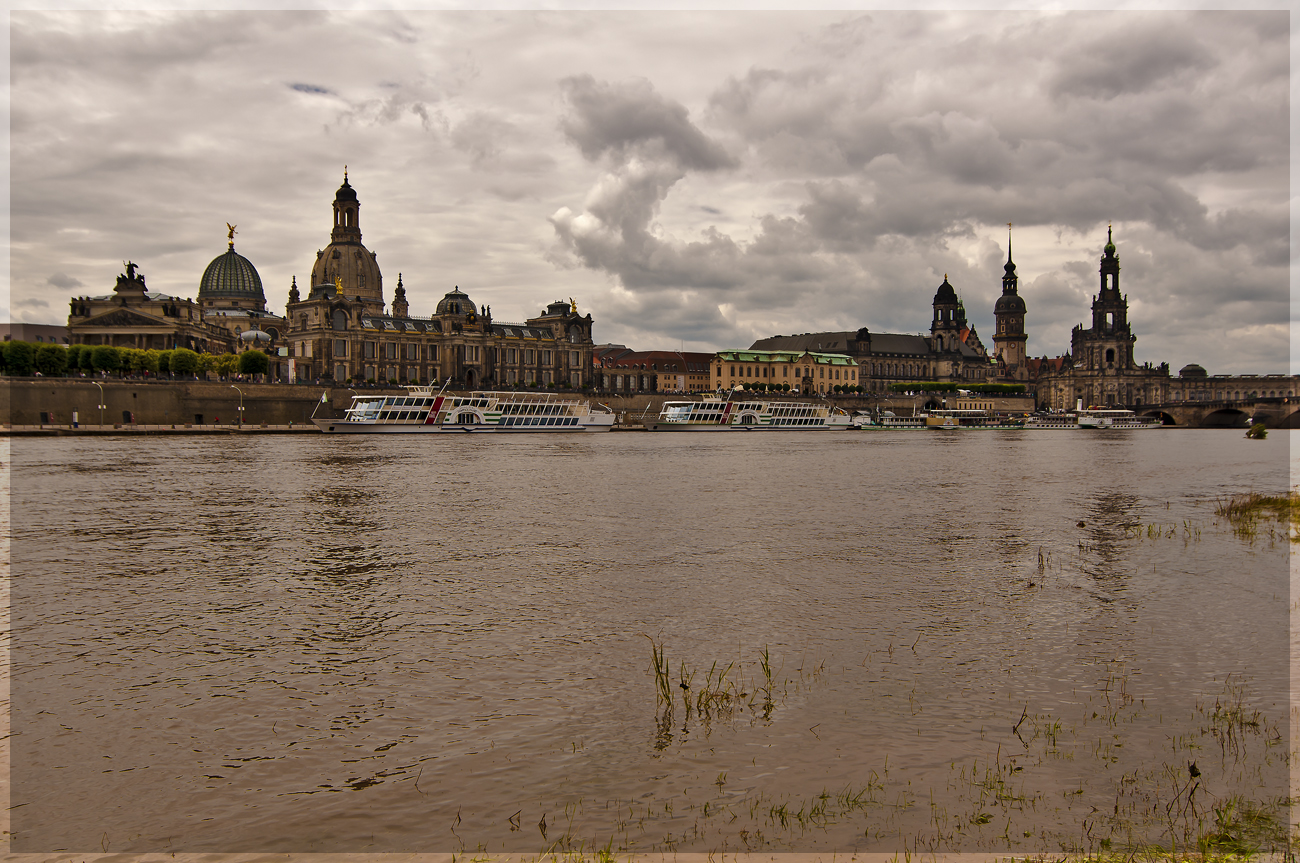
[{"x": 231, "y": 236}]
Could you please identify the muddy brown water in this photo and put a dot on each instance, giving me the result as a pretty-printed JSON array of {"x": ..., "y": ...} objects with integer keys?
[{"x": 974, "y": 641}]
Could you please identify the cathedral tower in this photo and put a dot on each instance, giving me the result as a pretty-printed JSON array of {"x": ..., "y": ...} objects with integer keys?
[
  {"x": 1009, "y": 312},
  {"x": 1103, "y": 354}
]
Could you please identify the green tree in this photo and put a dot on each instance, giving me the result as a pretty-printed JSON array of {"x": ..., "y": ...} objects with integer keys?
[
  {"x": 207, "y": 362},
  {"x": 254, "y": 362},
  {"x": 77, "y": 356},
  {"x": 165, "y": 361},
  {"x": 105, "y": 358},
  {"x": 52, "y": 360},
  {"x": 151, "y": 359},
  {"x": 225, "y": 365},
  {"x": 184, "y": 362},
  {"x": 20, "y": 358},
  {"x": 130, "y": 359}
]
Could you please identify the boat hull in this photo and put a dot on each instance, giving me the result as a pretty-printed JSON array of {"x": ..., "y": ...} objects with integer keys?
[
  {"x": 344, "y": 427},
  {"x": 739, "y": 427}
]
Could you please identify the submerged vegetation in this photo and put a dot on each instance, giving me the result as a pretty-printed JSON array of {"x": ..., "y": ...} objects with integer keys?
[
  {"x": 1245, "y": 512},
  {"x": 1102, "y": 770}
]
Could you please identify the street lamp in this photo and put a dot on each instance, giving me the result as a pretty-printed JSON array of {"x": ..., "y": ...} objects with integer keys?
[
  {"x": 101, "y": 403},
  {"x": 241, "y": 402}
]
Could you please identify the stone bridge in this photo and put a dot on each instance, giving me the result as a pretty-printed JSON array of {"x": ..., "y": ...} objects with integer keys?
[{"x": 1272, "y": 412}]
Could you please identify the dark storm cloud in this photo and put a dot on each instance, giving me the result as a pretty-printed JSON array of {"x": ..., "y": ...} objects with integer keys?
[
  {"x": 1128, "y": 57},
  {"x": 909, "y": 136},
  {"x": 64, "y": 281},
  {"x": 774, "y": 172},
  {"x": 629, "y": 119}
]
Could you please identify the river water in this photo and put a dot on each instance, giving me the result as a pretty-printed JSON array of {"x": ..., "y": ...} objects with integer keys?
[{"x": 889, "y": 641}]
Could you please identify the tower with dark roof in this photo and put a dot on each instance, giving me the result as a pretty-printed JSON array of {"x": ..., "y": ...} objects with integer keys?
[
  {"x": 345, "y": 267},
  {"x": 232, "y": 282},
  {"x": 1103, "y": 353},
  {"x": 949, "y": 323},
  {"x": 1009, "y": 313}
]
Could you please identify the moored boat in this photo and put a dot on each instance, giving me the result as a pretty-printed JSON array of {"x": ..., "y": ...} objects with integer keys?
[
  {"x": 715, "y": 414},
  {"x": 421, "y": 410},
  {"x": 1057, "y": 421},
  {"x": 1115, "y": 419},
  {"x": 886, "y": 421},
  {"x": 970, "y": 418}
]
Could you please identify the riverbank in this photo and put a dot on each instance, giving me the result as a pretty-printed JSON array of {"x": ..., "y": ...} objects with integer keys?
[{"x": 190, "y": 429}]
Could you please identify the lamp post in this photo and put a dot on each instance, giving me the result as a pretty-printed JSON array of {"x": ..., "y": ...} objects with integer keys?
[
  {"x": 241, "y": 402},
  {"x": 101, "y": 403}
]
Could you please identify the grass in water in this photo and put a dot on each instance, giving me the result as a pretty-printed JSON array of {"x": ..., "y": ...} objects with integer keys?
[{"x": 1245, "y": 511}]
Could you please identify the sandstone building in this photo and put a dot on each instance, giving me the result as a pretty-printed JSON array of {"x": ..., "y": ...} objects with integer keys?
[
  {"x": 952, "y": 352},
  {"x": 342, "y": 332}
]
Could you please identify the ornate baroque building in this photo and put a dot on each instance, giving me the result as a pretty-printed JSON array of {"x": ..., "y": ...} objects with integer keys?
[
  {"x": 231, "y": 297},
  {"x": 135, "y": 317},
  {"x": 230, "y": 314},
  {"x": 1100, "y": 368},
  {"x": 341, "y": 331},
  {"x": 952, "y": 351}
]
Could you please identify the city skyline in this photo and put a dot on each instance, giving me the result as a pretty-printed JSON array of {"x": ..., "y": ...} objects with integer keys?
[{"x": 695, "y": 180}]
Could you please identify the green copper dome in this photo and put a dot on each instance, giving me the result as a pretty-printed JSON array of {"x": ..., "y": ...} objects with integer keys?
[{"x": 231, "y": 275}]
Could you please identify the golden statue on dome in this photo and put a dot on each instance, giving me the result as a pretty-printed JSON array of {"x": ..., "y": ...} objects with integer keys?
[{"x": 231, "y": 236}]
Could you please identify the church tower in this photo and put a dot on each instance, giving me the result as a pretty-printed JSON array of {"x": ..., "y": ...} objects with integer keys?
[
  {"x": 1104, "y": 352},
  {"x": 1009, "y": 312},
  {"x": 949, "y": 322},
  {"x": 345, "y": 266}
]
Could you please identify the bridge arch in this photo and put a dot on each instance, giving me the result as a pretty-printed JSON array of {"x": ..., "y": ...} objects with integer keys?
[{"x": 1226, "y": 418}]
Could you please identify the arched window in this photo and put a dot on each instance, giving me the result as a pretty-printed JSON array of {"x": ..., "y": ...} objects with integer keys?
[{"x": 339, "y": 319}]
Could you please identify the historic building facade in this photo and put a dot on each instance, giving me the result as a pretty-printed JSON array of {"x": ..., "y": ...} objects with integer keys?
[
  {"x": 341, "y": 332},
  {"x": 804, "y": 372},
  {"x": 1100, "y": 368},
  {"x": 620, "y": 370},
  {"x": 135, "y": 317},
  {"x": 231, "y": 297},
  {"x": 229, "y": 316},
  {"x": 952, "y": 351}
]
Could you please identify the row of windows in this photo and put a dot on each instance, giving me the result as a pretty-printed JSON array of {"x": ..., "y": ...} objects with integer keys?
[
  {"x": 539, "y": 421},
  {"x": 763, "y": 372}
]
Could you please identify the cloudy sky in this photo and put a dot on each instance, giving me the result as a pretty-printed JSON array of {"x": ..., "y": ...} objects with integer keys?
[{"x": 693, "y": 180}]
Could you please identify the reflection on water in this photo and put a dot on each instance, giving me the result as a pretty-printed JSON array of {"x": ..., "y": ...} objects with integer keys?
[{"x": 995, "y": 641}]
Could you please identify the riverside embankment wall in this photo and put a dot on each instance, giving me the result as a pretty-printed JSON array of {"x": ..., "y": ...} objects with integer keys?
[{"x": 24, "y": 400}]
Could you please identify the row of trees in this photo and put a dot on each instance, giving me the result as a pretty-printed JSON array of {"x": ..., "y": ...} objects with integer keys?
[{"x": 53, "y": 360}]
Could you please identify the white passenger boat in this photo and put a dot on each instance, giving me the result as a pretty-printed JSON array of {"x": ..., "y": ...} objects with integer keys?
[
  {"x": 1057, "y": 421},
  {"x": 1117, "y": 419},
  {"x": 887, "y": 421},
  {"x": 970, "y": 418},
  {"x": 421, "y": 410},
  {"x": 715, "y": 414}
]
